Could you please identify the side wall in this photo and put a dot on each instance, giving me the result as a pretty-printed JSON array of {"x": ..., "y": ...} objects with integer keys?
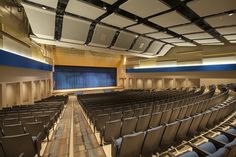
[
  {"x": 178, "y": 79},
  {"x": 23, "y": 86}
]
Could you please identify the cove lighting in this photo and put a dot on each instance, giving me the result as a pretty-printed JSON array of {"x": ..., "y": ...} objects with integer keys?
[
  {"x": 185, "y": 65},
  {"x": 44, "y": 8}
]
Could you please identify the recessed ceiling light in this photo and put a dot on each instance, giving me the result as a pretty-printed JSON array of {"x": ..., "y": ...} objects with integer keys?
[
  {"x": 180, "y": 37},
  {"x": 85, "y": 44},
  {"x": 44, "y": 8},
  {"x": 105, "y": 8},
  {"x": 230, "y": 14},
  {"x": 136, "y": 36}
]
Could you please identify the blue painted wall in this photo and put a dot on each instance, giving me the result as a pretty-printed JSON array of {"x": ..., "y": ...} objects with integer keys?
[
  {"x": 14, "y": 60},
  {"x": 222, "y": 67}
]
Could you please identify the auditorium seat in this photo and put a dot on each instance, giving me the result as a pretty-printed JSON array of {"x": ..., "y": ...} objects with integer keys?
[
  {"x": 111, "y": 130},
  {"x": 156, "y": 108},
  {"x": 128, "y": 125},
  {"x": 115, "y": 116},
  {"x": 183, "y": 128},
  {"x": 100, "y": 121},
  {"x": 36, "y": 128},
  {"x": 147, "y": 110},
  {"x": 204, "y": 121},
  {"x": 165, "y": 116},
  {"x": 169, "y": 134},
  {"x": 11, "y": 121},
  {"x": 128, "y": 145},
  {"x": 15, "y": 129},
  {"x": 155, "y": 119},
  {"x": 128, "y": 114},
  {"x": 175, "y": 114},
  {"x": 2, "y": 154},
  {"x": 152, "y": 141},
  {"x": 142, "y": 124},
  {"x": 29, "y": 119},
  {"x": 211, "y": 121},
  {"x": 194, "y": 125},
  {"x": 22, "y": 143},
  {"x": 138, "y": 112}
]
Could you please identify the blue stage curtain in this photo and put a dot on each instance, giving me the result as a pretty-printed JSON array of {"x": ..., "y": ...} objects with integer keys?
[{"x": 71, "y": 77}]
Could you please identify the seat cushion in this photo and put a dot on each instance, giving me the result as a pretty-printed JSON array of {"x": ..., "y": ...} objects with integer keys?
[
  {"x": 222, "y": 138},
  {"x": 231, "y": 144},
  {"x": 118, "y": 142},
  {"x": 219, "y": 153},
  {"x": 189, "y": 154},
  {"x": 231, "y": 131},
  {"x": 208, "y": 146}
]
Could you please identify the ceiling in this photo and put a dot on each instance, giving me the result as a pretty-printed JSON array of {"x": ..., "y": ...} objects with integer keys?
[{"x": 138, "y": 27}]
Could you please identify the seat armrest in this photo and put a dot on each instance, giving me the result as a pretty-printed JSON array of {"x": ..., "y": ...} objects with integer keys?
[
  {"x": 170, "y": 154},
  {"x": 21, "y": 155},
  {"x": 199, "y": 150}
]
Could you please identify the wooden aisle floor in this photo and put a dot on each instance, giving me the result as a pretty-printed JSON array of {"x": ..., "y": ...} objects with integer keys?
[{"x": 73, "y": 135}]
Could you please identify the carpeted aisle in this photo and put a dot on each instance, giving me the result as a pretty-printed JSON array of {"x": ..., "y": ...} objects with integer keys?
[{"x": 83, "y": 142}]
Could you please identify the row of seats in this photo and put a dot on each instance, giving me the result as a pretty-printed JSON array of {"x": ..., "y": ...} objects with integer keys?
[
  {"x": 117, "y": 126},
  {"x": 25, "y": 131},
  {"x": 162, "y": 137}
]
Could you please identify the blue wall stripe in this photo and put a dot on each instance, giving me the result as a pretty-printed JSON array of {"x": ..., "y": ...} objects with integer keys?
[
  {"x": 222, "y": 67},
  {"x": 11, "y": 59}
]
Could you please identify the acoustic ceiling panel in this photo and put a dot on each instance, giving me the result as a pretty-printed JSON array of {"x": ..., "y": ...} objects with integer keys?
[
  {"x": 141, "y": 44},
  {"x": 141, "y": 28},
  {"x": 49, "y": 3},
  {"x": 102, "y": 36},
  {"x": 172, "y": 40},
  {"x": 144, "y": 8},
  {"x": 124, "y": 40},
  {"x": 164, "y": 50},
  {"x": 84, "y": 9},
  {"x": 118, "y": 20},
  {"x": 174, "y": 18},
  {"x": 217, "y": 43},
  {"x": 74, "y": 30},
  {"x": 204, "y": 41},
  {"x": 110, "y": 1},
  {"x": 188, "y": 28},
  {"x": 230, "y": 37},
  {"x": 233, "y": 41},
  {"x": 155, "y": 47},
  {"x": 222, "y": 20},
  {"x": 43, "y": 28},
  {"x": 209, "y": 7},
  {"x": 159, "y": 35},
  {"x": 198, "y": 36},
  {"x": 184, "y": 44},
  {"x": 227, "y": 30}
]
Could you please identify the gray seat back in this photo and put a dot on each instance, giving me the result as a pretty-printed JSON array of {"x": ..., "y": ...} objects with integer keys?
[
  {"x": 115, "y": 116},
  {"x": 165, "y": 116},
  {"x": 147, "y": 110},
  {"x": 35, "y": 128},
  {"x": 182, "y": 112},
  {"x": 20, "y": 144},
  {"x": 15, "y": 129},
  {"x": 212, "y": 119},
  {"x": 183, "y": 128},
  {"x": 128, "y": 114},
  {"x": 143, "y": 121},
  {"x": 128, "y": 125},
  {"x": 112, "y": 129},
  {"x": 205, "y": 119},
  {"x": 155, "y": 120},
  {"x": 175, "y": 114},
  {"x": 195, "y": 123},
  {"x": 101, "y": 121},
  {"x": 152, "y": 140},
  {"x": 138, "y": 112}
]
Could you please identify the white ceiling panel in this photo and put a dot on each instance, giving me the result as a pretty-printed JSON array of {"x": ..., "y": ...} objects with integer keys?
[
  {"x": 144, "y": 8},
  {"x": 124, "y": 40},
  {"x": 189, "y": 28},
  {"x": 141, "y": 28},
  {"x": 172, "y": 40},
  {"x": 184, "y": 44},
  {"x": 110, "y": 1},
  {"x": 222, "y": 20},
  {"x": 227, "y": 30},
  {"x": 233, "y": 41},
  {"x": 159, "y": 35},
  {"x": 174, "y": 18},
  {"x": 204, "y": 41},
  {"x": 219, "y": 43},
  {"x": 209, "y": 7},
  {"x": 155, "y": 47},
  {"x": 43, "y": 28},
  {"x": 102, "y": 36},
  {"x": 164, "y": 50},
  {"x": 84, "y": 9},
  {"x": 118, "y": 20},
  {"x": 49, "y": 3},
  {"x": 198, "y": 36},
  {"x": 230, "y": 37},
  {"x": 74, "y": 30},
  {"x": 141, "y": 44}
]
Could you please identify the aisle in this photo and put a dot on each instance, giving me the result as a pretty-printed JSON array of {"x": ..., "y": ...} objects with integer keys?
[{"x": 83, "y": 142}]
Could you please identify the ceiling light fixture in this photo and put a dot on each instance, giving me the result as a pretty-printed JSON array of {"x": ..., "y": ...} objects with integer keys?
[
  {"x": 44, "y": 8},
  {"x": 105, "y": 8},
  {"x": 180, "y": 38},
  {"x": 136, "y": 36}
]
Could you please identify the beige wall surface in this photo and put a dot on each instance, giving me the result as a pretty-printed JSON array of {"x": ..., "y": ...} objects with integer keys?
[{"x": 178, "y": 79}]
